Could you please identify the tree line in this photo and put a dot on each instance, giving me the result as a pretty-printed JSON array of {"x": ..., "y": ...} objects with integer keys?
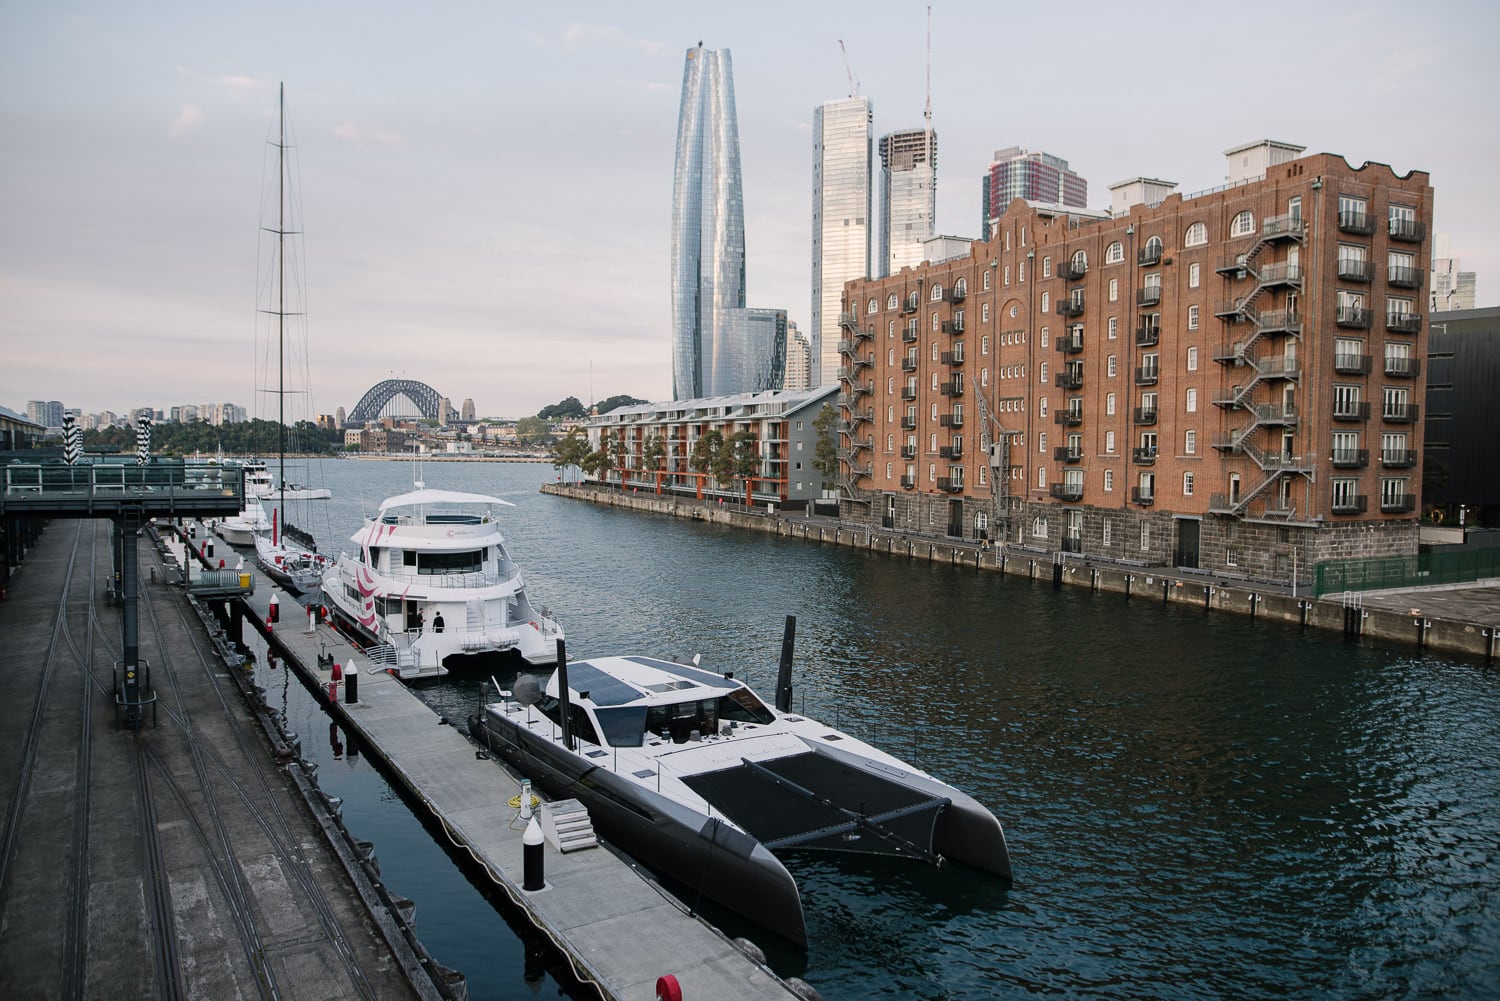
[{"x": 255, "y": 437}]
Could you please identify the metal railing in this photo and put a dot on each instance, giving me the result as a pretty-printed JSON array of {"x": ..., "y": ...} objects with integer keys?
[{"x": 1406, "y": 571}]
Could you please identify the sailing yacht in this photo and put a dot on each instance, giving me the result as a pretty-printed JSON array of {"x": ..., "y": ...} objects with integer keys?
[{"x": 287, "y": 554}]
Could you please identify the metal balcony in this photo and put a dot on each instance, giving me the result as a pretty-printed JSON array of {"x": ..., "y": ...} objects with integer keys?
[
  {"x": 1403, "y": 323},
  {"x": 1068, "y": 379},
  {"x": 1143, "y": 456},
  {"x": 908, "y": 423},
  {"x": 1356, "y": 271},
  {"x": 1353, "y": 316},
  {"x": 1070, "y": 272},
  {"x": 1232, "y": 264},
  {"x": 950, "y": 452},
  {"x": 1347, "y": 364},
  {"x": 1281, "y": 274},
  {"x": 953, "y": 358},
  {"x": 1397, "y": 503},
  {"x": 1400, "y": 413},
  {"x": 908, "y": 451},
  {"x": 956, "y": 294},
  {"x": 1351, "y": 504},
  {"x": 1144, "y": 496},
  {"x": 1070, "y": 341},
  {"x": 951, "y": 387},
  {"x": 908, "y": 364},
  {"x": 1068, "y": 453},
  {"x": 848, "y": 320},
  {"x": 1066, "y": 491},
  {"x": 859, "y": 389},
  {"x": 1351, "y": 458},
  {"x": 950, "y": 484},
  {"x": 1067, "y": 418},
  {"x": 907, "y": 482},
  {"x": 908, "y": 394},
  {"x": 1145, "y": 415},
  {"x": 953, "y": 326},
  {"x": 908, "y": 336},
  {"x": 1351, "y": 411},
  {"x": 1282, "y": 227},
  {"x": 909, "y": 305},
  {"x": 1407, "y": 230},
  {"x": 1403, "y": 277},
  {"x": 951, "y": 420},
  {"x": 1229, "y": 309},
  {"x": 1147, "y": 335},
  {"x": 1398, "y": 458},
  {"x": 1361, "y": 223},
  {"x": 1072, "y": 306},
  {"x": 1403, "y": 368},
  {"x": 1150, "y": 295},
  {"x": 1279, "y": 321},
  {"x": 1148, "y": 256},
  {"x": 1147, "y": 375}
]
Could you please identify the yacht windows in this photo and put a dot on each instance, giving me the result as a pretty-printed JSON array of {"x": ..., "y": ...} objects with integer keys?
[
  {"x": 623, "y": 726},
  {"x": 471, "y": 561},
  {"x": 578, "y": 719},
  {"x": 742, "y": 706}
]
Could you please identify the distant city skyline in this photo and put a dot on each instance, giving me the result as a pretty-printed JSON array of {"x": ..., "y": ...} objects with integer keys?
[{"x": 485, "y": 188}]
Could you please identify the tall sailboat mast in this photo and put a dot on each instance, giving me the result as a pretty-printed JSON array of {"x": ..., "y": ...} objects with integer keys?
[{"x": 281, "y": 296}]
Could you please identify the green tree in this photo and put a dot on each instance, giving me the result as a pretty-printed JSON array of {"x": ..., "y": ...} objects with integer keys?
[
  {"x": 704, "y": 457},
  {"x": 615, "y": 402},
  {"x": 533, "y": 431},
  {"x": 653, "y": 452},
  {"x": 563, "y": 410},
  {"x": 826, "y": 452},
  {"x": 744, "y": 451},
  {"x": 570, "y": 450}
]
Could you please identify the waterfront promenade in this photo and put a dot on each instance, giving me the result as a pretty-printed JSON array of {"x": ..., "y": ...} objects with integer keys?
[
  {"x": 175, "y": 860},
  {"x": 1462, "y": 619}
]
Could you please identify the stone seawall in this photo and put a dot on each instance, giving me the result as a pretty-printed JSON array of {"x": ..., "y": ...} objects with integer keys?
[{"x": 1137, "y": 582}]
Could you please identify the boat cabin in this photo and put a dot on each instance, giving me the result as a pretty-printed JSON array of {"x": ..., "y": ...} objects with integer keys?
[{"x": 626, "y": 701}]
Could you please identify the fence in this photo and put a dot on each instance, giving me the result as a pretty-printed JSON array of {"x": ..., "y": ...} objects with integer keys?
[{"x": 1407, "y": 571}]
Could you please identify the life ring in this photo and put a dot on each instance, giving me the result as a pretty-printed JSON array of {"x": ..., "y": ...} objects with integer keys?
[
  {"x": 667, "y": 989},
  {"x": 1436, "y": 516},
  {"x": 535, "y": 626}
]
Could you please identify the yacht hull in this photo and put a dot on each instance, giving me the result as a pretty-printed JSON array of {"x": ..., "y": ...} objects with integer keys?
[{"x": 699, "y": 852}]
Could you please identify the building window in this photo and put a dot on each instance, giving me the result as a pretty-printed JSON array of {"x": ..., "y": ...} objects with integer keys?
[
  {"x": 984, "y": 377},
  {"x": 1080, "y": 260},
  {"x": 1114, "y": 253},
  {"x": 1109, "y": 405},
  {"x": 1046, "y": 303},
  {"x": 872, "y": 307},
  {"x": 1005, "y": 275},
  {"x": 1111, "y": 366},
  {"x": 1145, "y": 525},
  {"x": 1243, "y": 224},
  {"x": 1195, "y": 270},
  {"x": 1041, "y": 482},
  {"x": 986, "y": 280},
  {"x": 961, "y": 286},
  {"x": 1114, "y": 327},
  {"x": 1190, "y": 442},
  {"x": 984, "y": 342},
  {"x": 984, "y": 312},
  {"x": 1345, "y": 492},
  {"x": 1192, "y": 317},
  {"x": 891, "y": 302},
  {"x": 1044, "y": 336},
  {"x": 1109, "y": 443},
  {"x": 934, "y": 323},
  {"x": 937, "y": 292},
  {"x": 1021, "y": 272},
  {"x": 1042, "y": 375},
  {"x": 1046, "y": 267},
  {"x": 1114, "y": 290},
  {"x": 1192, "y": 359},
  {"x": 1109, "y": 486},
  {"x": 1187, "y": 484},
  {"x": 1196, "y": 236},
  {"x": 1041, "y": 441},
  {"x": 1190, "y": 401}
]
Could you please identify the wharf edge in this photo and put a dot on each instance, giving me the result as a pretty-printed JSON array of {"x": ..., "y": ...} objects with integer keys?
[
  {"x": 618, "y": 930},
  {"x": 1399, "y": 616}
]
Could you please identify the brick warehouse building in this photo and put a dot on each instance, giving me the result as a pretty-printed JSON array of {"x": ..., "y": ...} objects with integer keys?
[{"x": 1227, "y": 380}]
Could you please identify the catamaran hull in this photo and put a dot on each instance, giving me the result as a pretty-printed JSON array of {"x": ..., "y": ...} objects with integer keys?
[{"x": 700, "y": 853}]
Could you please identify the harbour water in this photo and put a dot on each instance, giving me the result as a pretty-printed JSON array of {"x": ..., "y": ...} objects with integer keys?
[{"x": 1198, "y": 806}]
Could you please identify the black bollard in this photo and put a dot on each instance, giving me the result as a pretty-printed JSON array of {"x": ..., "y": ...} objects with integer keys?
[
  {"x": 351, "y": 684},
  {"x": 532, "y": 864}
]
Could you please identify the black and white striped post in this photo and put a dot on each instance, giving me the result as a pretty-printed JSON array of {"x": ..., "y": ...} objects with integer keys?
[
  {"x": 72, "y": 440},
  {"x": 142, "y": 439}
]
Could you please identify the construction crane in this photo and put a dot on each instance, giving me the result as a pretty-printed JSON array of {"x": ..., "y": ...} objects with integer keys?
[{"x": 853, "y": 84}]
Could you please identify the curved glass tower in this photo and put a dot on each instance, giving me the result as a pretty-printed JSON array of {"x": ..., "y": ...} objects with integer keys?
[{"x": 709, "y": 352}]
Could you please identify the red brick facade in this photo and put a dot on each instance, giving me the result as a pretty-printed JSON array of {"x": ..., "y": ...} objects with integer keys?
[{"x": 1228, "y": 380}]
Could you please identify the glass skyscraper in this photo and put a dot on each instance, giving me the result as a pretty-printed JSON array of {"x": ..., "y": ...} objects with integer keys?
[
  {"x": 710, "y": 356},
  {"x": 908, "y": 209},
  {"x": 843, "y": 153}
]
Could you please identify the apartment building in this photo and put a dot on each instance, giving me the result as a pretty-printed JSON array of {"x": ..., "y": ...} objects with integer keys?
[{"x": 1226, "y": 380}]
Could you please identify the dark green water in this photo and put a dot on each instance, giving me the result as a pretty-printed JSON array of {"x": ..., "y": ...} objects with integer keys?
[{"x": 1197, "y": 806}]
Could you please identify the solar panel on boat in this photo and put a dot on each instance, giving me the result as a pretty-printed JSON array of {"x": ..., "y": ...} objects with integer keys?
[
  {"x": 706, "y": 678},
  {"x": 603, "y": 689}
]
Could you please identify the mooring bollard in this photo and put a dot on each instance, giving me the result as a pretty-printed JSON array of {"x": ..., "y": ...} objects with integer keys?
[
  {"x": 532, "y": 877},
  {"x": 351, "y": 685},
  {"x": 312, "y": 620},
  {"x": 274, "y": 614}
]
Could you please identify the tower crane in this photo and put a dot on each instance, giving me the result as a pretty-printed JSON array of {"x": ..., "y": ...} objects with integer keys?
[{"x": 853, "y": 84}]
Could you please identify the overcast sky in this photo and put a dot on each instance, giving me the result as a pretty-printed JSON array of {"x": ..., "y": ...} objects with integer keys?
[{"x": 487, "y": 186}]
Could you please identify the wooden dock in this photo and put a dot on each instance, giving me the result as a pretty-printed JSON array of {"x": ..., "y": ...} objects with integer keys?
[{"x": 618, "y": 929}]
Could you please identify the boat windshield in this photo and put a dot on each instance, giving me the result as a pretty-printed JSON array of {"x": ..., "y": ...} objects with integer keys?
[{"x": 742, "y": 706}]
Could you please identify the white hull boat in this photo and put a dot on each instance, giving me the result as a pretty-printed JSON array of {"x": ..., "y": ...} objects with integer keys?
[
  {"x": 690, "y": 773},
  {"x": 295, "y": 564},
  {"x": 241, "y": 529},
  {"x": 432, "y": 587}
]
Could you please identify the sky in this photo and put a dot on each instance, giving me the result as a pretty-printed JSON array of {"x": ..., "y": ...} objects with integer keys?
[{"x": 486, "y": 187}]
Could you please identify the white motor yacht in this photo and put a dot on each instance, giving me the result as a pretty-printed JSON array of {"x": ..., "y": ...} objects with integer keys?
[
  {"x": 432, "y": 587},
  {"x": 241, "y": 529}
]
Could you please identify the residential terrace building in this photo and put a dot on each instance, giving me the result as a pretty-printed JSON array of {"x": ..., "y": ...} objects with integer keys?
[
  {"x": 1228, "y": 380},
  {"x": 653, "y": 445}
]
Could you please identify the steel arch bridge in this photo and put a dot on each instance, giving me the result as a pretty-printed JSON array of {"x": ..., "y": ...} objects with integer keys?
[{"x": 375, "y": 399}]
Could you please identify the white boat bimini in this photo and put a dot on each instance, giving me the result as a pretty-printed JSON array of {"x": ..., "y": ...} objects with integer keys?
[
  {"x": 433, "y": 588},
  {"x": 690, "y": 773}
]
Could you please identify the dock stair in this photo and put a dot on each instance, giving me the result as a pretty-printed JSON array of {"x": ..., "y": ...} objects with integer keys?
[{"x": 567, "y": 827}]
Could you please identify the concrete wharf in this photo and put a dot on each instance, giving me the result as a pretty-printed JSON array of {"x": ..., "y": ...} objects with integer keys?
[
  {"x": 174, "y": 860},
  {"x": 618, "y": 929}
]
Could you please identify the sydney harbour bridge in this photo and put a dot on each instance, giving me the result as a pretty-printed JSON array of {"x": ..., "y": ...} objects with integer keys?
[{"x": 396, "y": 398}]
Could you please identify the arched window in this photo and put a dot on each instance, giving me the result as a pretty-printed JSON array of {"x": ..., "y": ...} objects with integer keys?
[
  {"x": 872, "y": 307},
  {"x": 1114, "y": 253},
  {"x": 1080, "y": 260},
  {"x": 1153, "y": 249},
  {"x": 1196, "y": 236},
  {"x": 1046, "y": 302},
  {"x": 961, "y": 286},
  {"x": 986, "y": 280},
  {"x": 891, "y": 302},
  {"x": 912, "y": 300},
  {"x": 1243, "y": 224},
  {"x": 937, "y": 292}
]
